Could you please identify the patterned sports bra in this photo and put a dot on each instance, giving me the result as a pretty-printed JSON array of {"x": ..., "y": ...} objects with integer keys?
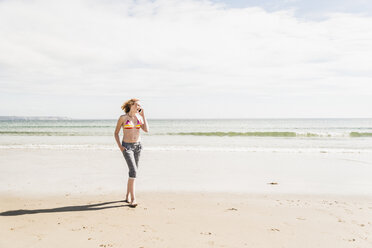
[{"x": 129, "y": 125}]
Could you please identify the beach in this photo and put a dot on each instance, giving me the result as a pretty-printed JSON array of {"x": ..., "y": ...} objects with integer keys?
[
  {"x": 66, "y": 197},
  {"x": 245, "y": 123},
  {"x": 186, "y": 220}
]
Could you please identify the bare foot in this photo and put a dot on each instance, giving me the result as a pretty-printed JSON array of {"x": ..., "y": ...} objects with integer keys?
[{"x": 133, "y": 204}]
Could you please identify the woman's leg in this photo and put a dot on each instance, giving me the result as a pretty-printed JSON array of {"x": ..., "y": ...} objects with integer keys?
[
  {"x": 129, "y": 156},
  {"x": 127, "y": 195},
  {"x": 131, "y": 181},
  {"x": 131, "y": 188}
]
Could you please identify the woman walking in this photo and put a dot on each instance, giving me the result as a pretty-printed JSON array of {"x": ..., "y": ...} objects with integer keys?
[{"x": 133, "y": 120}]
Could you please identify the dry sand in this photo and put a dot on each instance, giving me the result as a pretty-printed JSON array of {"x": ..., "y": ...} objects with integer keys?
[{"x": 166, "y": 219}]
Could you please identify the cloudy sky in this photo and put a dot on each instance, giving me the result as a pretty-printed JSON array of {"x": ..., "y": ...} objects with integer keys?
[{"x": 186, "y": 58}]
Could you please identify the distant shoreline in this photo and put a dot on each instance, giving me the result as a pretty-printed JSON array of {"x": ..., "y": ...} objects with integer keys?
[{"x": 10, "y": 118}]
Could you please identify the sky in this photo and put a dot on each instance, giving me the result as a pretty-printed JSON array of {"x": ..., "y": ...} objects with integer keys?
[{"x": 186, "y": 59}]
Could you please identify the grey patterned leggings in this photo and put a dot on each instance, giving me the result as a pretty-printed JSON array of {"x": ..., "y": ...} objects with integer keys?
[{"x": 132, "y": 154}]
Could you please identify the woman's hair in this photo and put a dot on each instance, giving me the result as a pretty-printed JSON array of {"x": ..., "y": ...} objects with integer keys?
[{"x": 126, "y": 106}]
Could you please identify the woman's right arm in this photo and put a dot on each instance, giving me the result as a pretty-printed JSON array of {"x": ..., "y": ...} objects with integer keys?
[{"x": 117, "y": 130}]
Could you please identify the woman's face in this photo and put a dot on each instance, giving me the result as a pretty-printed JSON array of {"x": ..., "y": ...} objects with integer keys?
[{"x": 136, "y": 106}]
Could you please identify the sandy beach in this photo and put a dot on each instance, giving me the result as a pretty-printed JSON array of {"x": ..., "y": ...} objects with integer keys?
[
  {"x": 59, "y": 198},
  {"x": 166, "y": 219}
]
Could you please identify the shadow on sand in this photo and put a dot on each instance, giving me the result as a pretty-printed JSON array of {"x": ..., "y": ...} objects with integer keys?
[{"x": 89, "y": 207}]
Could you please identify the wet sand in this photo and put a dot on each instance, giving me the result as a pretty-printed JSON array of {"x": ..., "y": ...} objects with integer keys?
[{"x": 47, "y": 171}]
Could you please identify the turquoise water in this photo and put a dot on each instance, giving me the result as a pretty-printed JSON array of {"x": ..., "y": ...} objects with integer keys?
[{"x": 288, "y": 135}]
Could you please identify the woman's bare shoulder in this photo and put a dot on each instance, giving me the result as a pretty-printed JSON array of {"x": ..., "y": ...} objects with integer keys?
[{"x": 123, "y": 117}]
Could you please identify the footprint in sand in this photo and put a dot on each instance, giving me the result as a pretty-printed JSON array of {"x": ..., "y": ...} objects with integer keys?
[
  {"x": 147, "y": 228},
  {"x": 299, "y": 218},
  {"x": 275, "y": 229},
  {"x": 232, "y": 209},
  {"x": 103, "y": 245},
  {"x": 206, "y": 233},
  {"x": 348, "y": 211}
]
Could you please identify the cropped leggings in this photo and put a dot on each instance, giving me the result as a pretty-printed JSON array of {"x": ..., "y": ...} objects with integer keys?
[{"x": 132, "y": 154}]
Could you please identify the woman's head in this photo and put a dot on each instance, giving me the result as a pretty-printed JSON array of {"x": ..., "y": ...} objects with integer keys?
[{"x": 134, "y": 102}]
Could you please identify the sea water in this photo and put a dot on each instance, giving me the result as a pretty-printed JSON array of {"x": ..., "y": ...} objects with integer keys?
[{"x": 240, "y": 135}]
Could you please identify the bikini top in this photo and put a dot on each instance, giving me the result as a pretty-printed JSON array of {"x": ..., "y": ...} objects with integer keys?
[{"x": 129, "y": 125}]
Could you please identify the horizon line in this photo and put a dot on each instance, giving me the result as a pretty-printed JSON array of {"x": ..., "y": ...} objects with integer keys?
[{"x": 168, "y": 118}]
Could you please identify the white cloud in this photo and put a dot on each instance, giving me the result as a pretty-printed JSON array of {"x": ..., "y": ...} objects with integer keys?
[{"x": 183, "y": 49}]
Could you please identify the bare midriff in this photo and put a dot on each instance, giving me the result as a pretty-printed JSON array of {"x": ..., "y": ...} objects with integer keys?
[{"x": 131, "y": 135}]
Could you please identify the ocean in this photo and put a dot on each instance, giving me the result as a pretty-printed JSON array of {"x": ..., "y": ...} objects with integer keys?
[{"x": 240, "y": 135}]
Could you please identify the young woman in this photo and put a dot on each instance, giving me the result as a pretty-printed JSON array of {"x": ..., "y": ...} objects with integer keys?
[{"x": 133, "y": 120}]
